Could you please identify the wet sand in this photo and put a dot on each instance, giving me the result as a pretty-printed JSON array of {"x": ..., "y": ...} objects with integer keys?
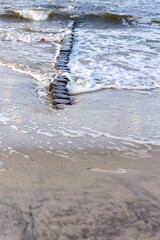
[{"x": 80, "y": 183}]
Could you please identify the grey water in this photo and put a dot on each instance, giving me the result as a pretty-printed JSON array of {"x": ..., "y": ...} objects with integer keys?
[{"x": 116, "y": 43}]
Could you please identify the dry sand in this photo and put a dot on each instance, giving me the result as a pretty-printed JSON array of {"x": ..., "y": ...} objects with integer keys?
[{"x": 80, "y": 183}]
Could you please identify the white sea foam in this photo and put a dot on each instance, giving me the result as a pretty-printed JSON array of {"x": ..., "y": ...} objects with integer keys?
[
  {"x": 69, "y": 8},
  {"x": 88, "y": 132},
  {"x": 48, "y": 134},
  {"x": 30, "y": 37},
  {"x": 36, "y": 15},
  {"x": 5, "y": 119},
  {"x": 120, "y": 59},
  {"x": 38, "y": 59},
  {"x": 14, "y": 127},
  {"x": 72, "y": 133},
  {"x": 20, "y": 69},
  {"x": 42, "y": 92}
]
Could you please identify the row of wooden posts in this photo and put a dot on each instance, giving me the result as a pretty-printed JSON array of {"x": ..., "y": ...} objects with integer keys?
[{"x": 58, "y": 88}]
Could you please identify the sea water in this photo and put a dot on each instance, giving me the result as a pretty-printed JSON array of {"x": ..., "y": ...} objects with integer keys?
[
  {"x": 116, "y": 46},
  {"x": 116, "y": 43}
]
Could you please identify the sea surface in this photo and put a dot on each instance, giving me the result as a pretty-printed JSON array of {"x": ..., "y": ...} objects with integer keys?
[
  {"x": 116, "y": 43},
  {"x": 116, "y": 46}
]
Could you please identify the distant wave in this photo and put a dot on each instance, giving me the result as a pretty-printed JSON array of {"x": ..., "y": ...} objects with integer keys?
[
  {"x": 36, "y": 15},
  {"x": 118, "y": 19},
  {"x": 33, "y": 14},
  {"x": 107, "y": 17},
  {"x": 43, "y": 15}
]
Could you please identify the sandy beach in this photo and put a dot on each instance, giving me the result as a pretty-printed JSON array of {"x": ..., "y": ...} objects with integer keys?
[{"x": 90, "y": 171}]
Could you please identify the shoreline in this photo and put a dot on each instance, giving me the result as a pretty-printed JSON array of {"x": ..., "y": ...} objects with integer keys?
[
  {"x": 61, "y": 179},
  {"x": 108, "y": 115}
]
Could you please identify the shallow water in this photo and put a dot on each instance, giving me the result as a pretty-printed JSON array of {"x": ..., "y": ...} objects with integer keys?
[
  {"x": 107, "y": 119},
  {"x": 116, "y": 45}
]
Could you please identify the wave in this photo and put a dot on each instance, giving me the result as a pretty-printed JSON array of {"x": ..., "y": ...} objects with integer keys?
[
  {"x": 43, "y": 15},
  {"x": 33, "y": 14},
  {"x": 118, "y": 19},
  {"x": 107, "y": 17},
  {"x": 36, "y": 15},
  {"x": 29, "y": 35}
]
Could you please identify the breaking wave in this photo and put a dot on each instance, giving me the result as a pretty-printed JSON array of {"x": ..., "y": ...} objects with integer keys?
[
  {"x": 43, "y": 15},
  {"x": 32, "y": 14}
]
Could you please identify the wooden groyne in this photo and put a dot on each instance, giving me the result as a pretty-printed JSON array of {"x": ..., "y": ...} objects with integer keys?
[{"x": 58, "y": 87}]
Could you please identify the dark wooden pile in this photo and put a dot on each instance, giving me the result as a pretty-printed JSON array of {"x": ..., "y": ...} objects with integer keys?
[{"x": 57, "y": 88}]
